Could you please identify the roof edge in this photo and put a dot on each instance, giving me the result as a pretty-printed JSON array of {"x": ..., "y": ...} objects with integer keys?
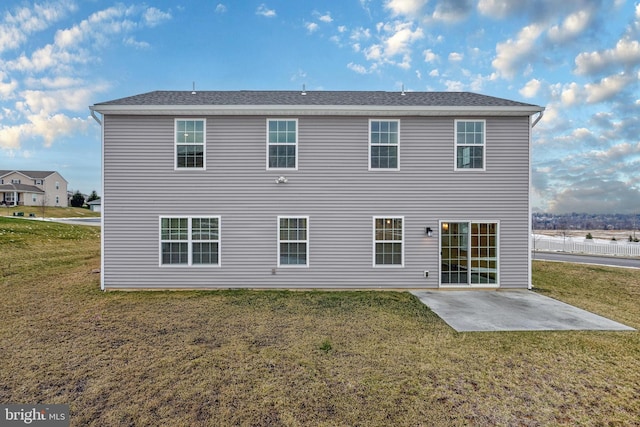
[{"x": 336, "y": 110}]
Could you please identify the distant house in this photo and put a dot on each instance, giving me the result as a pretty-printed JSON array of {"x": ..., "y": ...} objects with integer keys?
[
  {"x": 348, "y": 190},
  {"x": 32, "y": 188},
  {"x": 95, "y": 205}
]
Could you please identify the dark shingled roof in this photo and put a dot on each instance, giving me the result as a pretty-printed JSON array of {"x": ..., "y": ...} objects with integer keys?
[{"x": 319, "y": 98}]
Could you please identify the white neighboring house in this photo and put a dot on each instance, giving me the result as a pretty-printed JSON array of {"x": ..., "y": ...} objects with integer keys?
[
  {"x": 32, "y": 188},
  {"x": 95, "y": 205}
]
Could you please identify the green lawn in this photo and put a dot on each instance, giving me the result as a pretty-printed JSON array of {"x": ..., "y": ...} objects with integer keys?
[
  {"x": 49, "y": 212},
  {"x": 265, "y": 358}
]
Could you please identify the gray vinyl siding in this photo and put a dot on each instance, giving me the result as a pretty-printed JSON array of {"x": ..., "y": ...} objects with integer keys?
[{"x": 332, "y": 186}]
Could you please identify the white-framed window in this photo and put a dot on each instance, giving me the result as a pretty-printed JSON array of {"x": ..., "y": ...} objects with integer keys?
[
  {"x": 282, "y": 144},
  {"x": 15, "y": 181},
  {"x": 469, "y": 253},
  {"x": 39, "y": 181},
  {"x": 384, "y": 144},
  {"x": 190, "y": 241},
  {"x": 470, "y": 144},
  {"x": 388, "y": 241},
  {"x": 34, "y": 198},
  {"x": 57, "y": 200},
  {"x": 57, "y": 185},
  {"x": 293, "y": 241},
  {"x": 190, "y": 142}
]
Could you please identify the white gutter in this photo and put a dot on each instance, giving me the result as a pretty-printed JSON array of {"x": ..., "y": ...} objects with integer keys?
[
  {"x": 535, "y": 122},
  {"x": 93, "y": 114},
  {"x": 334, "y": 110}
]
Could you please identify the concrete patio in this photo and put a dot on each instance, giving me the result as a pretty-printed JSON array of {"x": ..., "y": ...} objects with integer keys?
[{"x": 511, "y": 310}]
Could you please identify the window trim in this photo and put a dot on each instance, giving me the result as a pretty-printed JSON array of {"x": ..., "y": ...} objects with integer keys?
[
  {"x": 402, "y": 242},
  {"x": 268, "y": 144},
  {"x": 190, "y": 241},
  {"x": 483, "y": 145},
  {"x": 306, "y": 217},
  {"x": 469, "y": 284},
  {"x": 176, "y": 143},
  {"x": 396, "y": 145}
]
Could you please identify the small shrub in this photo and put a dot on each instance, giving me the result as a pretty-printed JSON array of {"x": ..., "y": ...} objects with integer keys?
[
  {"x": 326, "y": 346},
  {"x": 589, "y": 236}
]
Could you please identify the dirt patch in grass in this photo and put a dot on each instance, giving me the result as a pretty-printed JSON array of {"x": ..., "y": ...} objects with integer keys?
[{"x": 296, "y": 358}]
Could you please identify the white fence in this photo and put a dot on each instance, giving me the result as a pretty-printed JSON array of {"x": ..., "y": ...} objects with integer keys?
[{"x": 581, "y": 245}]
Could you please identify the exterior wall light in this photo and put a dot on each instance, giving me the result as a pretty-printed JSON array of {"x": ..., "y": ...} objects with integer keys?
[
  {"x": 429, "y": 232},
  {"x": 281, "y": 180}
]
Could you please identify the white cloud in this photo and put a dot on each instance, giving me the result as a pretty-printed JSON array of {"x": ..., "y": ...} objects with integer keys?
[
  {"x": 17, "y": 25},
  {"x": 607, "y": 88},
  {"x": 311, "y": 27},
  {"x": 454, "y": 86},
  {"x": 326, "y": 18},
  {"x": 512, "y": 54},
  {"x": 153, "y": 16},
  {"x": 131, "y": 41},
  {"x": 405, "y": 7},
  {"x": 51, "y": 127},
  {"x": 263, "y": 10},
  {"x": 456, "y": 57},
  {"x": 625, "y": 53},
  {"x": 452, "y": 11},
  {"x": 221, "y": 8},
  {"x": 531, "y": 88},
  {"x": 394, "y": 44},
  {"x": 357, "y": 68},
  {"x": 572, "y": 26},
  {"x": 51, "y": 91},
  {"x": 418, "y": 74},
  {"x": 359, "y": 34},
  {"x": 497, "y": 8},
  {"x": 373, "y": 53},
  {"x": 7, "y": 88},
  {"x": 429, "y": 56},
  {"x": 434, "y": 73},
  {"x": 401, "y": 38},
  {"x": 572, "y": 94}
]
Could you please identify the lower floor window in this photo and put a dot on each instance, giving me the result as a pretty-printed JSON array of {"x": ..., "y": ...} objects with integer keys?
[
  {"x": 469, "y": 253},
  {"x": 388, "y": 241},
  {"x": 293, "y": 241},
  {"x": 190, "y": 241}
]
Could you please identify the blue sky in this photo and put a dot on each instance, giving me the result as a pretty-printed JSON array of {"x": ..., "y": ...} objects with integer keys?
[{"x": 578, "y": 58}]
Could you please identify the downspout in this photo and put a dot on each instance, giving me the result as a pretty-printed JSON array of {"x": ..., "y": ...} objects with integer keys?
[
  {"x": 530, "y": 272},
  {"x": 97, "y": 119}
]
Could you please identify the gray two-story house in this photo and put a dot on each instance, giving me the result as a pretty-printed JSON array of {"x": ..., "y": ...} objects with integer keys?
[{"x": 315, "y": 189}]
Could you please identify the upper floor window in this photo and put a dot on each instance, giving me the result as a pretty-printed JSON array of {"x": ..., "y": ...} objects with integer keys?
[
  {"x": 282, "y": 144},
  {"x": 384, "y": 142},
  {"x": 38, "y": 181},
  {"x": 388, "y": 237},
  {"x": 190, "y": 143},
  {"x": 15, "y": 181},
  {"x": 190, "y": 241},
  {"x": 470, "y": 143},
  {"x": 57, "y": 185}
]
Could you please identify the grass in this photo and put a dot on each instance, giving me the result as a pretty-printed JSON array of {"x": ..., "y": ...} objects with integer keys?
[
  {"x": 297, "y": 358},
  {"x": 49, "y": 212}
]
